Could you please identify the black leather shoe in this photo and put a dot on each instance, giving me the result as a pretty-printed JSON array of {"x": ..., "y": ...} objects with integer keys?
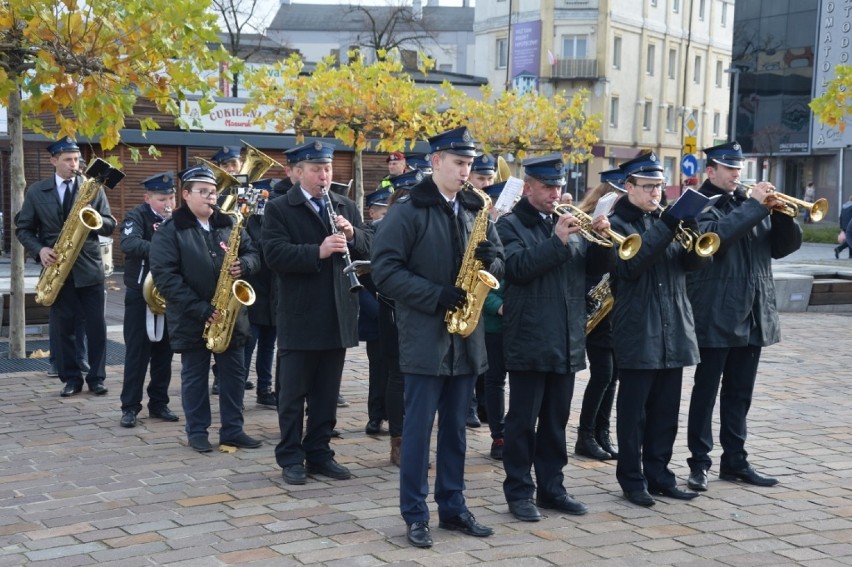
[
  {"x": 837, "y": 253},
  {"x": 604, "y": 439},
  {"x": 163, "y": 413},
  {"x": 497, "y": 449},
  {"x": 640, "y": 498},
  {"x": 524, "y": 510},
  {"x": 587, "y": 446},
  {"x": 374, "y": 427},
  {"x": 335, "y": 433},
  {"x": 673, "y": 492},
  {"x": 466, "y": 524},
  {"x": 249, "y": 385},
  {"x": 98, "y": 389},
  {"x": 748, "y": 475},
  {"x": 128, "y": 418},
  {"x": 242, "y": 441},
  {"x": 53, "y": 372},
  {"x": 69, "y": 390},
  {"x": 200, "y": 444},
  {"x": 331, "y": 469},
  {"x": 564, "y": 503},
  {"x": 294, "y": 474},
  {"x": 341, "y": 402},
  {"x": 697, "y": 480},
  {"x": 418, "y": 534},
  {"x": 472, "y": 420},
  {"x": 267, "y": 398}
]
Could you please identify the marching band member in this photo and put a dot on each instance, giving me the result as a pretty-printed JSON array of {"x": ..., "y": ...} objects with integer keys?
[
  {"x": 417, "y": 256},
  {"x": 229, "y": 159},
  {"x": 45, "y": 210},
  {"x": 186, "y": 253},
  {"x": 735, "y": 313},
  {"x": 137, "y": 230},
  {"x": 543, "y": 337},
  {"x": 652, "y": 326},
  {"x": 316, "y": 315}
]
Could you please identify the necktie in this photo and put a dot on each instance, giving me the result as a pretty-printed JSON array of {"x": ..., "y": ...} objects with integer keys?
[
  {"x": 319, "y": 203},
  {"x": 67, "y": 197}
]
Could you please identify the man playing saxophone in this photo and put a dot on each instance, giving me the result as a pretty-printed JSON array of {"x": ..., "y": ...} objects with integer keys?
[
  {"x": 735, "y": 313},
  {"x": 417, "y": 259},
  {"x": 46, "y": 209},
  {"x": 544, "y": 337},
  {"x": 187, "y": 254}
]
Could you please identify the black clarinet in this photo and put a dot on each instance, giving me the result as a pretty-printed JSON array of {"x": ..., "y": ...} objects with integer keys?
[{"x": 354, "y": 284}]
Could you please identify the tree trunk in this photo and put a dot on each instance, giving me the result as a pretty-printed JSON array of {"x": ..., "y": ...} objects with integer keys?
[
  {"x": 17, "y": 319},
  {"x": 359, "y": 182}
]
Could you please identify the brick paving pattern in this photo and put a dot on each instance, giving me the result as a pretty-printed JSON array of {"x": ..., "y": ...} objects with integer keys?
[{"x": 77, "y": 489}]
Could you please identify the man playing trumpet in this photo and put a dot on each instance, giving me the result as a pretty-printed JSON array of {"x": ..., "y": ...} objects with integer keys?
[{"x": 735, "y": 312}]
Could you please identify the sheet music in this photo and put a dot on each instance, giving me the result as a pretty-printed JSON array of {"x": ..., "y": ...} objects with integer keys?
[
  {"x": 605, "y": 205},
  {"x": 509, "y": 195}
]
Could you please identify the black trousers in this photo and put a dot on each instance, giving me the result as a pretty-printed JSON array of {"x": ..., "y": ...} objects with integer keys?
[
  {"x": 648, "y": 406},
  {"x": 736, "y": 369},
  {"x": 495, "y": 384},
  {"x": 600, "y": 391},
  {"x": 139, "y": 353},
  {"x": 539, "y": 405},
  {"x": 72, "y": 304},
  {"x": 308, "y": 382},
  {"x": 378, "y": 382}
]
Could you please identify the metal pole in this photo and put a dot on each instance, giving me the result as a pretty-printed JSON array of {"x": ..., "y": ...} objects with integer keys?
[
  {"x": 840, "y": 180},
  {"x": 735, "y": 102}
]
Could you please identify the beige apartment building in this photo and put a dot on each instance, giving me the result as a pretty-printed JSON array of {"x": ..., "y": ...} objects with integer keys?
[{"x": 656, "y": 70}]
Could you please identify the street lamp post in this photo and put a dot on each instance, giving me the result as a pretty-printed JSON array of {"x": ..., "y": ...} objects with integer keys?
[{"x": 735, "y": 102}]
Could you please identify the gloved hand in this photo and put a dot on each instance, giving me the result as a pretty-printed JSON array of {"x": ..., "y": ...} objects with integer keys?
[
  {"x": 451, "y": 297},
  {"x": 485, "y": 252},
  {"x": 691, "y": 224},
  {"x": 670, "y": 220}
]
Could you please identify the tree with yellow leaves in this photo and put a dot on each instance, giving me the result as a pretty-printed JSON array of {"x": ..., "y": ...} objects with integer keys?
[
  {"x": 84, "y": 65},
  {"x": 373, "y": 106},
  {"x": 835, "y": 105}
]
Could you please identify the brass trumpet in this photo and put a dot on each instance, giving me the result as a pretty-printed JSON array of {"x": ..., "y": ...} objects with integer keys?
[
  {"x": 790, "y": 205},
  {"x": 628, "y": 246},
  {"x": 703, "y": 245}
]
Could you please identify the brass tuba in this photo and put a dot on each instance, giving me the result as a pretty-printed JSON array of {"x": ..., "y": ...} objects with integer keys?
[
  {"x": 155, "y": 300},
  {"x": 256, "y": 163},
  {"x": 81, "y": 220},
  {"x": 599, "y": 303},
  {"x": 474, "y": 280},
  {"x": 628, "y": 246}
]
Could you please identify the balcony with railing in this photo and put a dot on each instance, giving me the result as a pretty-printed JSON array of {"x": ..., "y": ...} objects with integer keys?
[{"x": 575, "y": 69}]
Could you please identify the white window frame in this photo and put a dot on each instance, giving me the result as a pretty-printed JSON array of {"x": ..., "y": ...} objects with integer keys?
[{"x": 613, "y": 112}]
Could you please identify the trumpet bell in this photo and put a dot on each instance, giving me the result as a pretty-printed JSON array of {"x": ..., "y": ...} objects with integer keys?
[
  {"x": 707, "y": 244},
  {"x": 627, "y": 246},
  {"x": 818, "y": 209}
]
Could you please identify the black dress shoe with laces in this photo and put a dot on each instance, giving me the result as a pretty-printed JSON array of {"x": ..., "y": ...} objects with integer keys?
[
  {"x": 331, "y": 469},
  {"x": 128, "y": 418},
  {"x": 697, "y": 480},
  {"x": 673, "y": 492},
  {"x": 98, "y": 389},
  {"x": 472, "y": 419},
  {"x": 563, "y": 503},
  {"x": 249, "y": 385},
  {"x": 294, "y": 474},
  {"x": 163, "y": 413},
  {"x": 466, "y": 524},
  {"x": 640, "y": 498},
  {"x": 374, "y": 427},
  {"x": 418, "y": 534},
  {"x": 267, "y": 398},
  {"x": 748, "y": 475},
  {"x": 69, "y": 390},
  {"x": 200, "y": 443},
  {"x": 525, "y": 510},
  {"x": 242, "y": 441}
]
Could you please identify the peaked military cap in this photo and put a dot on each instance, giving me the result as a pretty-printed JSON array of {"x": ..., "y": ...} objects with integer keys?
[
  {"x": 225, "y": 154},
  {"x": 312, "y": 152},
  {"x": 484, "y": 164},
  {"x": 615, "y": 177},
  {"x": 549, "y": 169},
  {"x": 378, "y": 198},
  {"x": 456, "y": 141},
  {"x": 407, "y": 180},
  {"x": 729, "y": 155},
  {"x": 647, "y": 166},
  {"x": 263, "y": 184},
  {"x": 198, "y": 173},
  {"x": 160, "y": 183},
  {"x": 66, "y": 144},
  {"x": 420, "y": 161},
  {"x": 494, "y": 191}
]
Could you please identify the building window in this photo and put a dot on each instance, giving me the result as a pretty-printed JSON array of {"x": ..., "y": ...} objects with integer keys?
[
  {"x": 646, "y": 118},
  {"x": 574, "y": 46},
  {"x": 502, "y": 52},
  {"x": 675, "y": 6},
  {"x": 649, "y": 65},
  {"x": 613, "y": 112},
  {"x": 717, "y": 123},
  {"x": 696, "y": 71},
  {"x": 719, "y": 73},
  {"x": 670, "y": 119},
  {"x": 653, "y": 3},
  {"x": 669, "y": 167},
  {"x": 701, "y": 6},
  {"x": 724, "y": 14},
  {"x": 616, "y": 53},
  {"x": 672, "y": 63}
]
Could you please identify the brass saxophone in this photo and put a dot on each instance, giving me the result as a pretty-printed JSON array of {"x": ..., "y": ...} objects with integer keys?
[
  {"x": 230, "y": 294},
  {"x": 599, "y": 302},
  {"x": 81, "y": 220},
  {"x": 475, "y": 281}
]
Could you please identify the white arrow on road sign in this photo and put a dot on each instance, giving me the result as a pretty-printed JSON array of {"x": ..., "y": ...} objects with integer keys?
[{"x": 689, "y": 165}]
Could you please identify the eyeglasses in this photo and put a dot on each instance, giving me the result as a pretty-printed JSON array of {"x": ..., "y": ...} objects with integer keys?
[
  {"x": 649, "y": 187},
  {"x": 205, "y": 192}
]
